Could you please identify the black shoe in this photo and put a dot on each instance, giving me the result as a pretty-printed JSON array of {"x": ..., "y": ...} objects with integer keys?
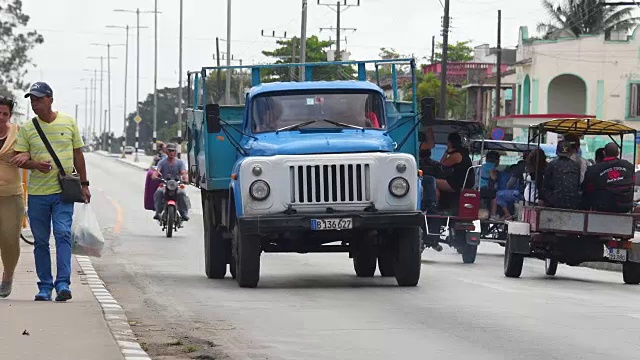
[
  {"x": 184, "y": 217},
  {"x": 157, "y": 217}
]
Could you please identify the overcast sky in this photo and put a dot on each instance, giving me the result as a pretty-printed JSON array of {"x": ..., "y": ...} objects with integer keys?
[{"x": 70, "y": 26}]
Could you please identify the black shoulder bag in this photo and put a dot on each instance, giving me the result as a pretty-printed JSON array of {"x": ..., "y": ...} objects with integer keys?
[{"x": 69, "y": 183}]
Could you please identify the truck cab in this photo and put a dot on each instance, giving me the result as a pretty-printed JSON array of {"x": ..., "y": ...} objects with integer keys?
[{"x": 307, "y": 167}]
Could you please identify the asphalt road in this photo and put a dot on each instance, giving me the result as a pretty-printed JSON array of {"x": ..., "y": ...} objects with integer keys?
[{"x": 313, "y": 306}]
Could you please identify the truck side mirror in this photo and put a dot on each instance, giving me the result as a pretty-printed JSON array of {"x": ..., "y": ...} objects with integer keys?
[
  {"x": 427, "y": 108},
  {"x": 212, "y": 112}
]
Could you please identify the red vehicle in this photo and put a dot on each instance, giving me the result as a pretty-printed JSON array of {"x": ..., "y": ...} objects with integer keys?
[{"x": 453, "y": 221}]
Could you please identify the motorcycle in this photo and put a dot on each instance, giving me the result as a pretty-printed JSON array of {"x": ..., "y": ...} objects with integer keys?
[{"x": 171, "y": 220}]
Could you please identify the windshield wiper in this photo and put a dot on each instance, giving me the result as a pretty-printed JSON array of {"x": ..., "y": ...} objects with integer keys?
[
  {"x": 295, "y": 126},
  {"x": 343, "y": 124}
]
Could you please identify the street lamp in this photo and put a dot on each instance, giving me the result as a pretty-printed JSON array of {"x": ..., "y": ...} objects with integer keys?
[
  {"x": 108, "y": 45},
  {"x": 155, "y": 90}
]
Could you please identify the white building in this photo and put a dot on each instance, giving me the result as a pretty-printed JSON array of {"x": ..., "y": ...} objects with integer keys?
[{"x": 591, "y": 75}]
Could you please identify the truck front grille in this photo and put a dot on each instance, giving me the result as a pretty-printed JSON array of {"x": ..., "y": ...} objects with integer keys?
[{"x": 327, "y": 184}]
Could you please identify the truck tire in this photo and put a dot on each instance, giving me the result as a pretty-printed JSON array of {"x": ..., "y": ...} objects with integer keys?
[
  {"x": 365, "y": 256},
  {"x": 386, "y": 254},
  {"x": 550, "y": 266},
  {"x": 631, "y": 273},
  {"x": 247, "y": 258},
  {"x": 512, "y": 262},
  {"x": 408, "y": 262},
  {"x": 469, "y": 253},
  {"x": 215, "y": 247}
]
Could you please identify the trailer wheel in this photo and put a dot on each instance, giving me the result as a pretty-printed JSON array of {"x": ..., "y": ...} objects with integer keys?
[
  {"x": 247, "y": 258},
  {"x": 631, "y": 273},
  {"x": 512, "y": 262},
  {"x": 550, "y": 266},
  {"x": 408, "y": 263},
  {"x": 469, "y": 253}
]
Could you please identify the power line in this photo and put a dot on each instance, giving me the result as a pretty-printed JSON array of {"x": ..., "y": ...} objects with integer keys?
[{"x": 339, "y": 8}]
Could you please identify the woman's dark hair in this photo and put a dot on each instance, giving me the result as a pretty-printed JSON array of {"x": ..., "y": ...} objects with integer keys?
[
  {"x": 8, "y": 102},
  {"x": 456, "y": 140},
  {"x": 537, "y": 159}
]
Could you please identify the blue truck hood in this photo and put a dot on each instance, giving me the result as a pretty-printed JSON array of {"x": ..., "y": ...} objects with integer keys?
[{"x": 298, "y": 143}]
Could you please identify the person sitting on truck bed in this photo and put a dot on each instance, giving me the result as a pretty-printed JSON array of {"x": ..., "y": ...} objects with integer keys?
[
  {"x": 609, "y": 185},
  {"x": 561, "y": 181},
  {"x": 535, "y": 168},
  {"x": 599, "y": 156},
  {"x": 456, "y": 162},
  {"x": 431, "y": 169}
]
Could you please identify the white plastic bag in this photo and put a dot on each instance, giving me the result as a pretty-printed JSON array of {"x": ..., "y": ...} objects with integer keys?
[{"x": 86, "y": 234}]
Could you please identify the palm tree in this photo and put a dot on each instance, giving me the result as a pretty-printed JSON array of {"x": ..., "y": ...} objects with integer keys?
[{"x": 578, "y": 17}]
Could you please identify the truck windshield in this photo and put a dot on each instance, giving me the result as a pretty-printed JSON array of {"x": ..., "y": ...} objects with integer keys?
[{"x": 361, "y": 109}]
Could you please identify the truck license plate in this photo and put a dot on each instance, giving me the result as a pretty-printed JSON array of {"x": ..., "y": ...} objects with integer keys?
[
  {"x": 618, "y": 254},
  {"x": 331, "y": 224}
]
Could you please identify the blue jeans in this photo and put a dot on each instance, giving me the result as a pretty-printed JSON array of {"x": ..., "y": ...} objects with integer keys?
[
  {"x": 506, "y": 197},
  {"x": 43, "y": 211}
]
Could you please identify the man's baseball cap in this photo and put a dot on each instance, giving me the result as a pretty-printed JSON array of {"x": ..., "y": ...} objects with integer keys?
[
  {"x": 40, "y": 89},
  {"x": 171, "y": 146},
  {"x": 564, "y": 148}
]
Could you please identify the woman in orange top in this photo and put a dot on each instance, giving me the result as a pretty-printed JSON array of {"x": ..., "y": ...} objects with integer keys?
[{"x": 11, "y": 201}]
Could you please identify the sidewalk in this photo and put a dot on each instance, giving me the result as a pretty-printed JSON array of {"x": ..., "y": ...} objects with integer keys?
[
  {"x": 144, "y": 161},
  {"x": 74, "y": 330}
]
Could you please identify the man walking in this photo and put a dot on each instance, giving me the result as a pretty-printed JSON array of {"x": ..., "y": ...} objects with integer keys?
[{"x": 44, "y": 203}]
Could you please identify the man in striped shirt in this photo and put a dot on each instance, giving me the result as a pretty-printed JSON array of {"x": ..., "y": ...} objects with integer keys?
[{"x": 45, "y": 206}]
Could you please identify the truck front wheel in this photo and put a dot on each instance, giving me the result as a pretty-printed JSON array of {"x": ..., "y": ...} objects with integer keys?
[
  {"x": 407, "y": 263},
  {"x": 386, "y": 253},
  {"x": 247, "y": 258},
  {"x": 365, "y": 255},
  {"x": 631, "y": 273}
]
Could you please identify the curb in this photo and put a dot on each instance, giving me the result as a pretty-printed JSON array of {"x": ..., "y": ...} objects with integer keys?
[
  {"x": 113, "y": 313},
  {"x": 121, "y": 161}
]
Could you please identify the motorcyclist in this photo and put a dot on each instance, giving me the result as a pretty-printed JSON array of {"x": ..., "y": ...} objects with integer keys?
[{"x": 171, "y": 168}]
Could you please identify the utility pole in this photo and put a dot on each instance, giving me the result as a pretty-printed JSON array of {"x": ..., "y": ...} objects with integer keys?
[
  {"x": 86, "y": 110},
  {"x": 180, "y": 84},
  {"x": 339, "y": 9},
  {"x": 108, "y": 46},
  {"x": 433, "y": 49},
  {"x": 218, "y": 75},
  {"x": 102, "y": 71},
  {"x": 499, "y": 65},
  {"x": 303, "y": 41},
  {"x": 443, "y": 70},
  {"x": 227, "y": 92},
  {"x": 126, "y": 77},
  {"x": 76, "y": 117}
]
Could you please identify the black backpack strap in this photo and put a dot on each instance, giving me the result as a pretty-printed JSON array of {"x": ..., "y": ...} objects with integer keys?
[{"x": 46, "y": 143}]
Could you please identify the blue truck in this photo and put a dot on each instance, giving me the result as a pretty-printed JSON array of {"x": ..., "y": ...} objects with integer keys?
[{"x": 307, "y": 166}]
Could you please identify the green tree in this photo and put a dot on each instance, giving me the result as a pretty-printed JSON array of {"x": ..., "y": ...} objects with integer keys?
[
  {"x": 16, "y": 44},
  {"x": 316, "y": 51},
  {"x": 429, "y": 86},
  {"x": 167, "y": 120},
  {"x": 584, "y": 17},
  {"x": 461, "y": 51},
  {"x": 216, "y": 89}
]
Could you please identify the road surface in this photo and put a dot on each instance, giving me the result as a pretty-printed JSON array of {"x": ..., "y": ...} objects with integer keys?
[{"x": 313, "y": 306}]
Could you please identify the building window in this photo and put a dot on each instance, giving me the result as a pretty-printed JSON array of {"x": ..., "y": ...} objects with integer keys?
[{"x": 634, "y": 100}]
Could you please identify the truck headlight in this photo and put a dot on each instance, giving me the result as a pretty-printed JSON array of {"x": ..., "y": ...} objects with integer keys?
[
  {"x": 259, "y": 190},
  {"x": 399, "y": 187}
]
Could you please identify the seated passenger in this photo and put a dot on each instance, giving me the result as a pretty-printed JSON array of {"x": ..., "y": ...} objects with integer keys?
[
  {"x": 561, "y": 183},
  {"x": 506, "y": 198},
  {"x": 535, "y": 168},
  {"x": 456, "y": 162},
  {"x": 369, "y": 113},
  {"x": 599, "y": 156},
  {"x": 268, "y": 112},
  {"x": 430, "y": 170},
  {"x": 576, "y": 156},
  {"x": 609, "y": 185}
]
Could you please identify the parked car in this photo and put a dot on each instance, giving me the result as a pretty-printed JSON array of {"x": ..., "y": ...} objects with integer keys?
[{"x": 129, "y": 150}]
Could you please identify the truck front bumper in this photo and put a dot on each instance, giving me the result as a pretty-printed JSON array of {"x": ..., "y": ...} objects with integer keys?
[{"x": 302, "y": 222}]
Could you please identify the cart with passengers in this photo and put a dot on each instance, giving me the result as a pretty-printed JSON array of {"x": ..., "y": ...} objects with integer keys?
[
  {"x": 511, "y": 153},
  {"x": 573, "y": 237}
]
